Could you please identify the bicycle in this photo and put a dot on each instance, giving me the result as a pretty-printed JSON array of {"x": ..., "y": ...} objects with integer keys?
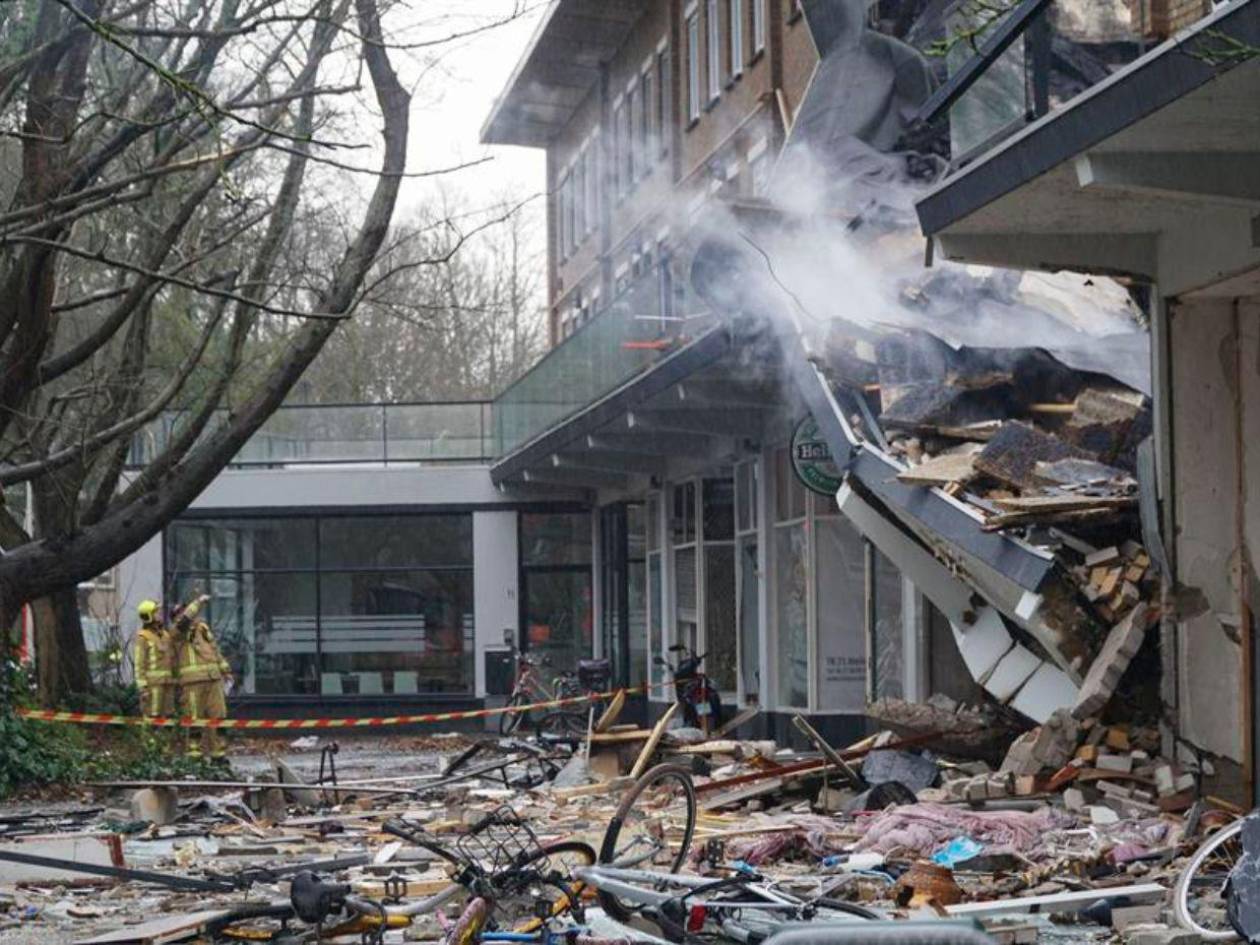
[
  {"x": 743, "y": 907},
  {"x": 529, "y": 688},
  {"x": 1199, "y": 896},
  {"x": 498, "y": 861},
  {"x": 470, "y": 929},
  {"x": 568, "y": 722}
]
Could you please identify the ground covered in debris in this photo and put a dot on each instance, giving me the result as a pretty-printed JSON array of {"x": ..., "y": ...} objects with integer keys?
[{"x": 1078, "y": 833}]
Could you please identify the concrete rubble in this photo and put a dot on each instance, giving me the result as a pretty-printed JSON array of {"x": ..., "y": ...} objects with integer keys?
[{"x": 1078, "y": 823}]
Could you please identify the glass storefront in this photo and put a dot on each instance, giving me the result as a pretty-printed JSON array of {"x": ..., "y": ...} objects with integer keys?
[
  {"x": 334, "y": 605},
  {"x": 556, "y": 587}
]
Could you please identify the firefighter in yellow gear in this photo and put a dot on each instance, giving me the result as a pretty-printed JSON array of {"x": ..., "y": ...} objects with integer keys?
[
  {"x": 202, "y": 673},
  {"x": 154, "y": 661}
]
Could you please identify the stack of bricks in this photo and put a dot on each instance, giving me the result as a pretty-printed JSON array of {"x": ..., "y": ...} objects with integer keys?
[{"x": 1162, "y": 18}]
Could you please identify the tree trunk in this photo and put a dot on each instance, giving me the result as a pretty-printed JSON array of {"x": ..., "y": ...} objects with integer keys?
[{"x": 61, "y": 660}]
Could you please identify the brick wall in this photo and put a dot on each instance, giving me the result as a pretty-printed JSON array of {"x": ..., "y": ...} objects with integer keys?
[{"x": 1165, "y": 17}]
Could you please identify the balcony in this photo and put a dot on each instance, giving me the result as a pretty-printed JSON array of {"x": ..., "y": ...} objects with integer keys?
[
  {"x": 439, "y": 432},
  {"x": 653, "y": 316},
  {"x": 1008, "y": 71}
]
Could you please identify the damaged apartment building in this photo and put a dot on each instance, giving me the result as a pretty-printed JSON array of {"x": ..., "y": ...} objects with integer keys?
[{"x": 863, "y": 473}]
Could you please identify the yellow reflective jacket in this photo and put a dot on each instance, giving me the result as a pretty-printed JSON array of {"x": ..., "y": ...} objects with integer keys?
[
  {"x": 155, "y": 664},
  {"x": 200, "y": 659}
]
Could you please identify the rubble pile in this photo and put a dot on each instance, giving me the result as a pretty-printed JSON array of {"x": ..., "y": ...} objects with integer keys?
[{"x": 1080, "y": 818}]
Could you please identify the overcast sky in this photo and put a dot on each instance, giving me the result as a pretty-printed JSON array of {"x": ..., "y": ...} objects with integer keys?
[{"x": 455, "y": 95}]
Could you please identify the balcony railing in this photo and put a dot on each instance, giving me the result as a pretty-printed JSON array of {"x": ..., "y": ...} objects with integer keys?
[
  {"x": 440, "y": 432},
  {"x": 652, "y": 316},
  {"x": 1009, "y": 70}
]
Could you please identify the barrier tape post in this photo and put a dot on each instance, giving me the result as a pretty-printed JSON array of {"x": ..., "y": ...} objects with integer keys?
[{"x": 161, "y": 721}]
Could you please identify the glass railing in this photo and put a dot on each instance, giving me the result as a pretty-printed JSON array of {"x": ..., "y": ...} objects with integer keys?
[
  {"x": 625, "y": 338},
  {"x": 1057, "y": 55},
  {"x": 445, "y": 432}
]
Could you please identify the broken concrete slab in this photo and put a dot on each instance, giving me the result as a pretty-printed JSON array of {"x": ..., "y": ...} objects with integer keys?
[
  {"x": 157, "y": 805},
  {"x": 97, "y": 849}
]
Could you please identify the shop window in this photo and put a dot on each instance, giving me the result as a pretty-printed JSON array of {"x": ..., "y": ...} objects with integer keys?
[
  {"x": 840, "y": 576},
  {"x": 656, "y": 618},
  {"x": 790, "y": 494},
  {"x": 719, "y": 509},
  {"x": 683, "y": 513},
  {"x": 792, "y": 614},
  {"x": 637, "y": 591},
  {"x": 430, "y": 540},
  {"x": 749, "y": 618},
  {"x": 555, "y": 538},
  {"x": 720, "y": 636},
  {"x": 886, "y": 610},
  {"x": 556, "y": 586},
  {"x": 357, "y": 605}
]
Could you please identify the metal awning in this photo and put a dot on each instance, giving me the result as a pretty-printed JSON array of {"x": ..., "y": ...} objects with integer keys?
[
  {"x": 692, "y": 405},
  {"x": 1161, "y": 147},
  {"x": 560, "y": 67}
]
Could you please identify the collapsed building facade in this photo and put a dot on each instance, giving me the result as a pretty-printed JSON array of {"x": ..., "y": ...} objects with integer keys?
[{"x": 767, "y": 431}]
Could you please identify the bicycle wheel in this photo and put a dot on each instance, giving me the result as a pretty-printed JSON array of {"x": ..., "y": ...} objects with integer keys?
[
  {"x": 562, "y": 724},
  {"x": 545, "y": 876},
  {"x": 1199, "y": 896},
  {"x": 652, "y": 828},
  {"x": 467, "y": 929},
  {"x": 509, "y": 722}
]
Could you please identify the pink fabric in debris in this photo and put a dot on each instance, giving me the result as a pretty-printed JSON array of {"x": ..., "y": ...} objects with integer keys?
[{"x": 921, "y": 828}]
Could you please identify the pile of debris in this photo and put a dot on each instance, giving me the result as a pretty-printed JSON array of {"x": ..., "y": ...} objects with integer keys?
[{"x": 1078, "y": 813}]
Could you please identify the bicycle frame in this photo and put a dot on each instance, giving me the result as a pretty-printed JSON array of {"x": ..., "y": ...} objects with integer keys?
[{"x": 626, "y": 884}]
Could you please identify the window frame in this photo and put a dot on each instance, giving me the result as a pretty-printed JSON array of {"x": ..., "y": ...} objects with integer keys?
[
  {"x": 694, "y": 77},
  {"x": 735, "y": 33},
  {"x": 713, "y": 51},
  {"x": 758, "y": 27}
]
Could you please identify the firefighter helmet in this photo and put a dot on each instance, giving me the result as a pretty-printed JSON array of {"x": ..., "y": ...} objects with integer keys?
[{"x": 147, "y": 610}]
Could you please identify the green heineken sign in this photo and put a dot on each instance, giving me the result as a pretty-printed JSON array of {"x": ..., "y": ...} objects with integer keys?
[{"x": 811, "y": 459}]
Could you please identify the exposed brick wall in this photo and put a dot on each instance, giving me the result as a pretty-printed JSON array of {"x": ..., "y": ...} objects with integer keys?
[{"x": 1165, "y": 17}]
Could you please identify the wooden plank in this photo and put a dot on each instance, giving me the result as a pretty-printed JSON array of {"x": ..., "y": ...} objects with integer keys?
[
  {"x": 1059, "y": 902},
  {"x": 611, "y": 714},
  {"x": 166, "y": 929},
  {"x": 727, "y": 746},
  {"x": 746, "y": 714},
  {"x": 941, "y": 470},
  {"x": 416, "y": 886},
  {"x": 586, "y": 790},
  {"x": 744, "y": 793},
  {"x": 654, "y": 739},
  {"x": 621, "y": 738}
]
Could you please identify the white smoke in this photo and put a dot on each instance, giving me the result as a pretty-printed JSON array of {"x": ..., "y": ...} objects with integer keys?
[{"x": 846, "y": 246}]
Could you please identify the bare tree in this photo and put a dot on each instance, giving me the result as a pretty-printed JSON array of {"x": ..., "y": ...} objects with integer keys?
[
  {"x": 455, "y": 312},
  {"x": 164, "y": 163}
]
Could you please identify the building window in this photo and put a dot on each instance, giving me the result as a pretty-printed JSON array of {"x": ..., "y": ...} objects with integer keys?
[
  {"x": 579, "y": 199},
  {"x": 647, "y": 126},
  {"x": 562, "y": 236},
  {"x": 664, "y": 100},
  {"x": 634, "y": 102},
  {"x": 592, "y": 184},
  {"x": 355, "y": 605},
  {"x": 735, "y": 14},
  {"x": 715, "y": 51},
  {"x": 693, "y": 66},
  {"x": 758, "y": 26},
  {"x": 618, "y": 143}
]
